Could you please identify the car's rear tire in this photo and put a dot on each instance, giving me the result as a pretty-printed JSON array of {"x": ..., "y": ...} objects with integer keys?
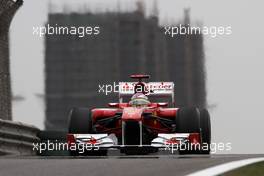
[
  {"x": 205, "y": 124},
  {"x": 80, "y": 122},
  {"x": 188, "y": 121}
]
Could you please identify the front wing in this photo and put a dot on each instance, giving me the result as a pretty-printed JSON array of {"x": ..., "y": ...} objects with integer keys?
[{"x": 105, "y": 141}]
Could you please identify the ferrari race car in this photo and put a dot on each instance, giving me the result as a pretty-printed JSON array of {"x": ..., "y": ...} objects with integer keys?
[{"x": 140, "y": 126}]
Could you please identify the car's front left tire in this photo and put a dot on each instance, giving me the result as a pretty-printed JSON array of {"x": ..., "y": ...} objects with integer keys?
[
  {"x": 188, "y": 121},
  {"x": 205, "y": 124}
]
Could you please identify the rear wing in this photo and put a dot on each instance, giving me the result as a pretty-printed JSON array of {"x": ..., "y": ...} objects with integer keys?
[{"x": 158, "y": 89}]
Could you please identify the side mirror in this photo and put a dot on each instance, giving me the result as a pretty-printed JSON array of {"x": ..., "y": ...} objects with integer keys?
[
  {"x": 113, "y": 105},
  {"x": 162, "y": 104}
]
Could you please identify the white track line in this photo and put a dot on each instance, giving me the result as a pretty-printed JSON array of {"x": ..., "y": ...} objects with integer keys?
[{"x": 222, "y": 168}]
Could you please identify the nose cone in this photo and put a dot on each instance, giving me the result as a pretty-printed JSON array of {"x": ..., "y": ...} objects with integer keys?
[{"x": 132, "y": 113}]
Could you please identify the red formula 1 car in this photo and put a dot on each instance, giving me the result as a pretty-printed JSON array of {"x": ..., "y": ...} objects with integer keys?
[{"x": 140, "y": 126}]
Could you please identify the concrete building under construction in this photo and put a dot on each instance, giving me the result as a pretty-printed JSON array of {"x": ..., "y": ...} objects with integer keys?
[
  {"x": 8, "y": 8},
  {"x": 128, "y": 43}
]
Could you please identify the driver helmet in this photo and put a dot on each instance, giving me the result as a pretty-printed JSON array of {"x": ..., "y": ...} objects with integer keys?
[{"x": 139, "y": 100}]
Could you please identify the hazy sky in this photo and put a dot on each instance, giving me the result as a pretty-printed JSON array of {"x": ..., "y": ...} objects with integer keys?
[{"x": 235, "y": 64}]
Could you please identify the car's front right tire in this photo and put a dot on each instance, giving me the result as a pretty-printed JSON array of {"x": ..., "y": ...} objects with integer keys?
[{"x": 80, "y": 122}]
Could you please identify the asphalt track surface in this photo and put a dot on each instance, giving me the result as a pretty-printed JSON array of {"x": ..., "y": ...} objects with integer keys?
[{"x": 149, "y": 165}]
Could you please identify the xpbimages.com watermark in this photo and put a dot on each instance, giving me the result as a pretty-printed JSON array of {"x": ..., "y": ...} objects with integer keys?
[
  {"x": 80, "y": 31},
  {"x": 60, "y": 146},
  {"x": 108, "y": 88},
  {"x": 124, "y": 88},
  {"x": 212, "y": 31},
  {"x": 213, "y": 147},
  {"x": 171, "y": 148}
]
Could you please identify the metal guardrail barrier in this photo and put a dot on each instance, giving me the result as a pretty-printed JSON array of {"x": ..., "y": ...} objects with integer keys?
[{"x": 17, "y": 138}]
